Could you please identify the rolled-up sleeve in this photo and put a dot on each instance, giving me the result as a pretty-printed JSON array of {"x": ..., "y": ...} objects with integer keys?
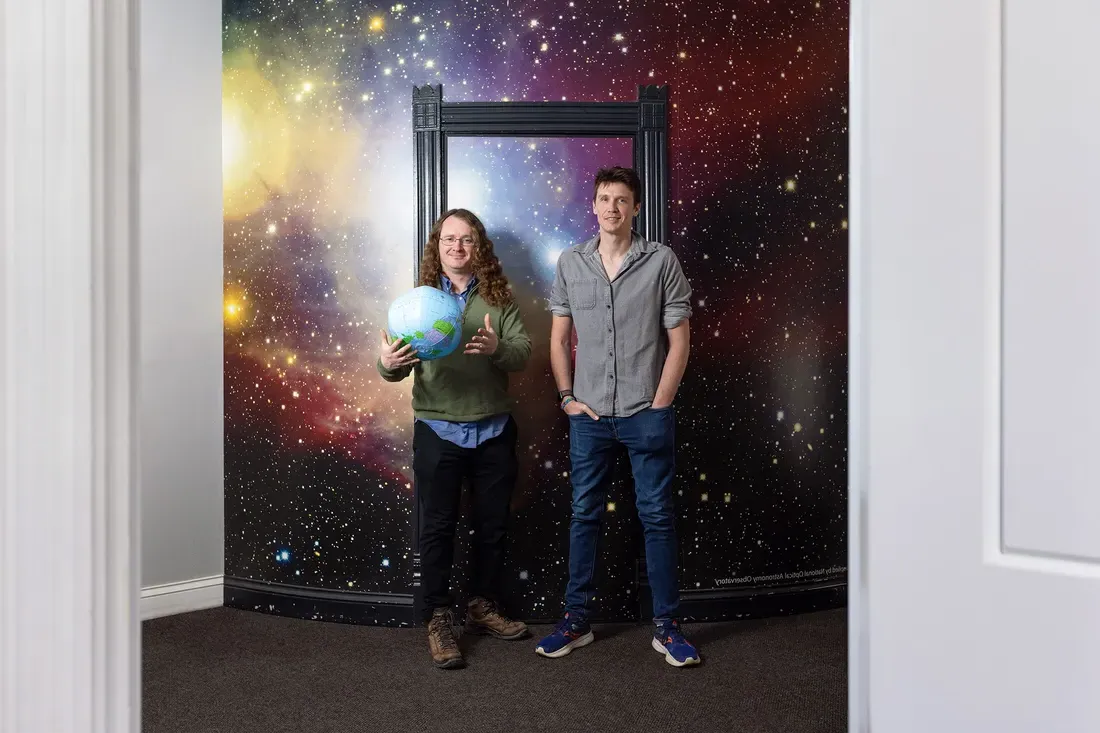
[
  {"x": 677, "y": 293},
  {"x": 559, "y": 292}
]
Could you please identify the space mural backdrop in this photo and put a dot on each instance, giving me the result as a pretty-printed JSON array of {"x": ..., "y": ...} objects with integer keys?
[{"x": 320, "y": 218}]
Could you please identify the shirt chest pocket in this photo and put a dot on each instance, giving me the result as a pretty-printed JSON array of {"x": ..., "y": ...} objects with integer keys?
[{"x": 582, "y": 295}]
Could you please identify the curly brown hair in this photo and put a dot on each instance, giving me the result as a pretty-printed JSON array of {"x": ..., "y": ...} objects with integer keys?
[{"x": 492, "y": 284}]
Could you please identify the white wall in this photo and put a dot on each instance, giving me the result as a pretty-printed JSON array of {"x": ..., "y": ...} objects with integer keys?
[{"x": 180, "y": 413}]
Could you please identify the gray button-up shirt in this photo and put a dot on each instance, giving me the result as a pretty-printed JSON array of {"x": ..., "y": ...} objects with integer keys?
[{"x": 621, "y": 324}]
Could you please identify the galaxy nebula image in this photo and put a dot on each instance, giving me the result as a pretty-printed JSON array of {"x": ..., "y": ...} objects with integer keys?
[{"x": 319, "y": 185}]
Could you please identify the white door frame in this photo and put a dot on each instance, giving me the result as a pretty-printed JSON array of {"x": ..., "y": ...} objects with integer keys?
[{"x": 69, "y": 580}]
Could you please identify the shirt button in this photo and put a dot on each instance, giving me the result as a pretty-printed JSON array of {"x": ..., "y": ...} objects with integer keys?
[{"x": 609, "y": 306}]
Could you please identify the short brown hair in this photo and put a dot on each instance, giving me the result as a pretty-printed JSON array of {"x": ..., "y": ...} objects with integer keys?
[{"x": 626, "y": 176}]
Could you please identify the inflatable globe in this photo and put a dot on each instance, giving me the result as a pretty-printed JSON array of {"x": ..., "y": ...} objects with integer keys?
[{"x": 429, "y": 319}]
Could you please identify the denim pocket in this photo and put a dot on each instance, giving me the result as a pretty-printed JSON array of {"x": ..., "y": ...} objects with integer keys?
[{"x": 661, "y": 424}]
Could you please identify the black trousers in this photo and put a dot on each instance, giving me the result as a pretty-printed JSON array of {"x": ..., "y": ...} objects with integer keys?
[{"x": 440, "y": 468}]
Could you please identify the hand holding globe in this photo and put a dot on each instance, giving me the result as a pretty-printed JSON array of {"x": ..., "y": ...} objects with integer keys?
[
  {"x": 426, "y": 323},
  {"x": 396, "y": 353},
  {"x": 425, "y": 319}
]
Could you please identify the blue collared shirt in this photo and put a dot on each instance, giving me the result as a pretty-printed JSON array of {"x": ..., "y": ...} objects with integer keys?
[{"x": 467, "y": 434}]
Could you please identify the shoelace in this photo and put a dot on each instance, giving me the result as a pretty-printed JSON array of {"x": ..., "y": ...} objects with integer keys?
[
  {"x": 441, "y": 627},
  {"x": 672, "y": 633},
  {"x": 489, "y": 611}
]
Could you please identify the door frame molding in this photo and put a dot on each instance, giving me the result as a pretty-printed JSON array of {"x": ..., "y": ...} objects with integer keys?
[{"x": 69, "y": 563}]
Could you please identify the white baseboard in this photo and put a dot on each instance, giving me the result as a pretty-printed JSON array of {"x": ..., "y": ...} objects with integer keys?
[{"x": 189, "y": 595}]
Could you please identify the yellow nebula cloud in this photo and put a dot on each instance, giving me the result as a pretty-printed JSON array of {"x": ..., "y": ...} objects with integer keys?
[
  {"x": 293, "y": 139},
  {"x": 256, "y": 149},
  {"x": 325, "y": 162}
]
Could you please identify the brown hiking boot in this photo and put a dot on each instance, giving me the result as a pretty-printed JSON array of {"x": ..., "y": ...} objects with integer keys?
[
  {"x": 441, "y": 640},
  {"x": 483, "y": 617}
]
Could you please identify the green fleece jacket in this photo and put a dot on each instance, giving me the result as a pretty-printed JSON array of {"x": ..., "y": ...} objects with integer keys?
[{"x": 468, "y": 387}]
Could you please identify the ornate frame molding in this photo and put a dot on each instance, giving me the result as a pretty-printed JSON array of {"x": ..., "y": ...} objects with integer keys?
[{"x": 69, "y": 583}]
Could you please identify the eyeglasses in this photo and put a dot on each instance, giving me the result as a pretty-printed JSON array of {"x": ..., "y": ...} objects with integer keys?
[{"x": 464, "y": 241}]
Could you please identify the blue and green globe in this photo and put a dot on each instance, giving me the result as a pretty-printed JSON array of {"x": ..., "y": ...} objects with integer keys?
[{"x": 429, "y": 319}]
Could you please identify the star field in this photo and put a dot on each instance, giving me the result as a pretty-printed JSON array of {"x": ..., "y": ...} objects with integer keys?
[{"x": 319, "y": 195}]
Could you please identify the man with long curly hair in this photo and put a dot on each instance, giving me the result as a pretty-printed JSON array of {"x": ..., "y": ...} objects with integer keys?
[
  {"x": 630, "y": 303},
  {"x": 464, "y": 430}
]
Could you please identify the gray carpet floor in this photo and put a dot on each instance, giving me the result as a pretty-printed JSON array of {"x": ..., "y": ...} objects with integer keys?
[{"x": 228, "y": 671}]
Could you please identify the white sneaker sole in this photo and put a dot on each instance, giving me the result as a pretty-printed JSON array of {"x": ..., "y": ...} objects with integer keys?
[
  {"x": 575, "y": 644},
  {"x": 669, "y": 658}
]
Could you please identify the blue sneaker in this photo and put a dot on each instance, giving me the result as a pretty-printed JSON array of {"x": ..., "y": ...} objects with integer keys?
[
  {"x": 668, "y": 640},
  {"x": 568, "y": 635}
]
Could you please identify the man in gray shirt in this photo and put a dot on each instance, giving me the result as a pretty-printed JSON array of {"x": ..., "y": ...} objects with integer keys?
[{"x": 630, "y": 303}]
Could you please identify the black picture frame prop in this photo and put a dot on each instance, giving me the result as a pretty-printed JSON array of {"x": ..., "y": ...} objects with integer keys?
[{"x": 645, "y": 121}]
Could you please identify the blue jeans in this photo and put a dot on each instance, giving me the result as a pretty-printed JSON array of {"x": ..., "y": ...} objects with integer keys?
[{"x": 650, "y": 440}]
